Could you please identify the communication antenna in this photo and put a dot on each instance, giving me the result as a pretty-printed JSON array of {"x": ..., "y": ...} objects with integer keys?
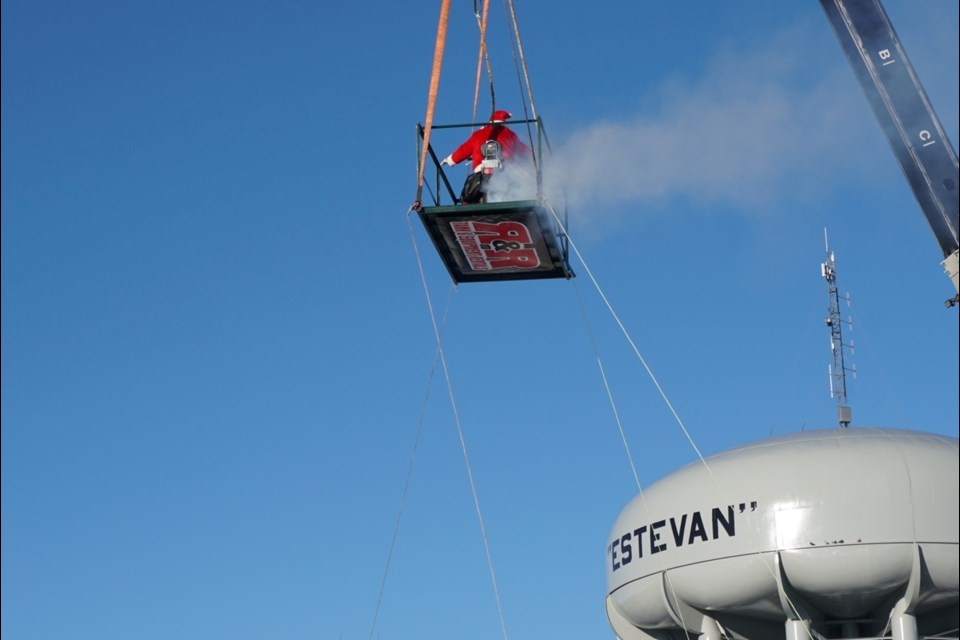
[{"x": 837, "y": 369}]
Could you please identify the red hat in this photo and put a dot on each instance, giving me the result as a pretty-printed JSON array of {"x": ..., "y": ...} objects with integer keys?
[{"x": 500, "y": 116}]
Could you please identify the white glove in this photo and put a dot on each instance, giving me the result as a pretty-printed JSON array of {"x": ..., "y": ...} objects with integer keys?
[{"x": 448, "y": 161}]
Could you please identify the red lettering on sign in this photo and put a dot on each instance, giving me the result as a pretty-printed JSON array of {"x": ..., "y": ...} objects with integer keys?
[
  {"x": 507, "y": 245},
  {"x": 509, "y": 231},
  {"x": 496, "y": 245},
  {"x": 517, "y": 258}
]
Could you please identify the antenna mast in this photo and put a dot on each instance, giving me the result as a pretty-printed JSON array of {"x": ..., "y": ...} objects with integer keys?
[{"x": 838, "y": 370}]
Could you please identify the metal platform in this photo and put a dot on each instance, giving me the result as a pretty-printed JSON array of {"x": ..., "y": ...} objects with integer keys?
[{"x": 497, "y": 241}]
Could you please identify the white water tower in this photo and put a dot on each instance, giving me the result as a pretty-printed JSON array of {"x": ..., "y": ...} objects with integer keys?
[{"x": 845, "y": 533}]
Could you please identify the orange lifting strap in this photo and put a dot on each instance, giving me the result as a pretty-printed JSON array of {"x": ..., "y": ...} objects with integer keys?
[{"x": 434, "y": 88}]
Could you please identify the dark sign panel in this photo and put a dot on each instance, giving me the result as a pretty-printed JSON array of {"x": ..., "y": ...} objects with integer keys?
[{"x": 497, "y": 241}]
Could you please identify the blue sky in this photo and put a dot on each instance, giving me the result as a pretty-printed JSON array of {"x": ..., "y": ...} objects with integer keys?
[{"x": 217, "y": 353}]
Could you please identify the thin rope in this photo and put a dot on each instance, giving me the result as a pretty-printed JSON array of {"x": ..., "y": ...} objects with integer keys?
[
  {"x": 434, "y": 88},
  {"x": 523, "y": 60},
  {"x": 643, "y": 499},
  {"x": 626, "y": 334},
  {"x": 456, "y": 417},
  {"x": 406, "y": 483},
  {"x": 623, "y": 438},
  {"x": 606, "y": 384},
  {"x": 483, "y": 54},
  {"x": 520, "y": 63}
]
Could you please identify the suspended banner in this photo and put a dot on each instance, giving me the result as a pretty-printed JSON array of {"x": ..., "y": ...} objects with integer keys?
[{"x": 497, "y": 241}]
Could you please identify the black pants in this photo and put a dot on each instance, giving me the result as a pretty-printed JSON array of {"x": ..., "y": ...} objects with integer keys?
[{"x": 473, "y": 188}]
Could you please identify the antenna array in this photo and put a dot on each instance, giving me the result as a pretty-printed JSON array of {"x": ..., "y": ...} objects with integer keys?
[{"x": 837, "y": 369}]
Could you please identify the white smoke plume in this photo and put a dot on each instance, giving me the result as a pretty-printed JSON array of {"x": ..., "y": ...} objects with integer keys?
[
  {"x": 759, "y": 128},
  {"x": 512, "y": 182}
]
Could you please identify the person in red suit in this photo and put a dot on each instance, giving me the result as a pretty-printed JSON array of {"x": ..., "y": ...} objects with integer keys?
[{"x": 511, "y": 148}]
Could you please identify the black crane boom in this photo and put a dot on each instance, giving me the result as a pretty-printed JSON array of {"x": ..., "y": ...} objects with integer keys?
[{"x": 909, "y": 122}]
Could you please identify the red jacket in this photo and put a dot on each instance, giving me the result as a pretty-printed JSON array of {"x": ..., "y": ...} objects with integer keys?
[{"x": 511, "y": 144}]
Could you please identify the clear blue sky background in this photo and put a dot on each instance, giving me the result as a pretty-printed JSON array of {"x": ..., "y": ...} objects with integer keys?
[{"x": 216, "y": 349}]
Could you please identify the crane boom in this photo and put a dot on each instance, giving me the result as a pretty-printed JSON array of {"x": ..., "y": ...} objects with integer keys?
[{"x": 909, "y": 122}]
